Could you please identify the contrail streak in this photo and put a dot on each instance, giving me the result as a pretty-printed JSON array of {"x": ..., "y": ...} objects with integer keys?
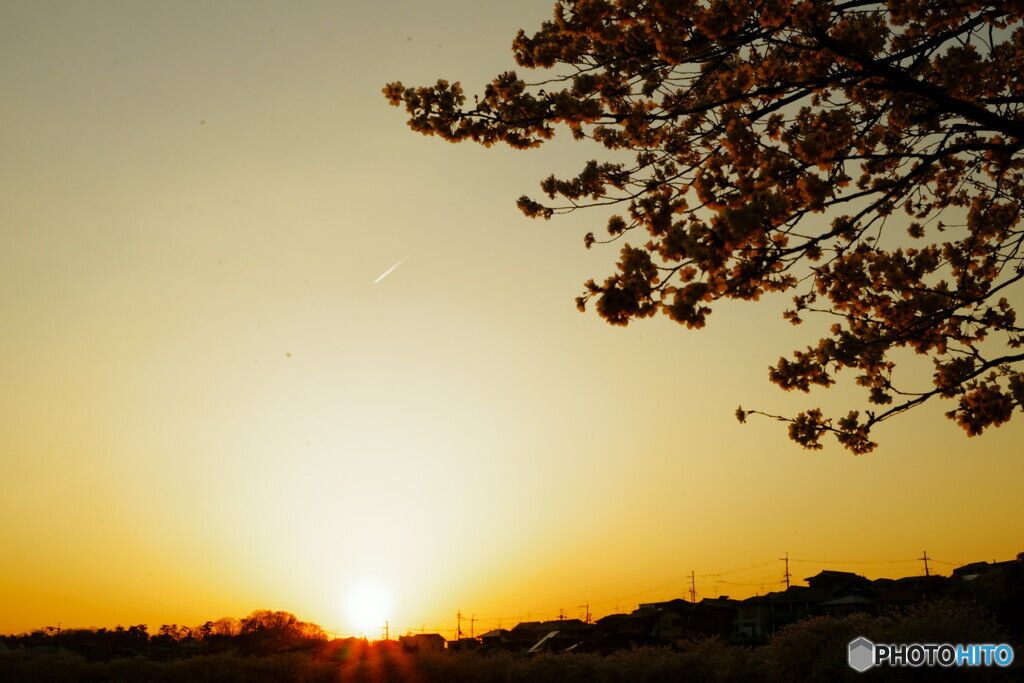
[{"x": 389, "y": 270}]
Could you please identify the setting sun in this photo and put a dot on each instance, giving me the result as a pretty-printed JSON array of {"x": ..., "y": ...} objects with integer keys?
[{"x": 367, "y": 606}]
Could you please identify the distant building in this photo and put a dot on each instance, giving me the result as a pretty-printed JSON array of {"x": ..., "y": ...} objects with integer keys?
[
  {"x": 495, "y": 637},
  {"x": 623, "y": 631},
  {"x": 908, "y": 590},
  {"x": 969, "y": 572},
  {"x": 422, "y": 642},
  {"x": 463, "y": 645},
  {"x": 673, "y": 620},
  {"x": 997, "y": 585},
  {"x": 843, "y": 593},
  {"x": 835, "y": 584},
  {"x": 714, "y": 617},
  {"x": 760, "y": 616}
]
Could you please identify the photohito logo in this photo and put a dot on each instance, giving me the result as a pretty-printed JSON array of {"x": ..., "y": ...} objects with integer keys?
[{"x": 863, "y": 654}]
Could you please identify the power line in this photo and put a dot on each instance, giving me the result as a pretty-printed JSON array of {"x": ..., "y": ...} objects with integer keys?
[
  {"x": 793, "y": 559},
  {"x": 691, "y": 579},
  {"x": 952, "y": 564},
  {"x": 756, "y": 583},
  {"x": 741, "y": 569}
]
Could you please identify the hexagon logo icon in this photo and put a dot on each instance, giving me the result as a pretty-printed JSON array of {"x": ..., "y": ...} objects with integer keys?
[{"x": 862, "y": 654}]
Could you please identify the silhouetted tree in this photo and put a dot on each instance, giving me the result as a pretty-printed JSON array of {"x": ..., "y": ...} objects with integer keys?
[
  {"x": 864, "y": 155},
  {"x": 137, "y": 635},
  {"x": 267, "y": 631},
  {"x": 225, "y": 626},
  {"x": 203, "y": 631}
]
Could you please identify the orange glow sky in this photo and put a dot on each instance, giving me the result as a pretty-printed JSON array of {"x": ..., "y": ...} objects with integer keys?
[{"x": 208, "y": 407}]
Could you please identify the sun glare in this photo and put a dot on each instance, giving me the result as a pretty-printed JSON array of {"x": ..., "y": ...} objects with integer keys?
[{"x": 367, "y": 606}]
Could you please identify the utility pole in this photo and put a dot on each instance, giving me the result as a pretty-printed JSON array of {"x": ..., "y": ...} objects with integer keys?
[
  {"x": 458, "y": 629},
  {"x": 693, "y": 587},
  {"x": 561, "y": 614},
  {"x": 787, "y": 575},
  {"x": 586, "y": 612},
  {"x": 925, "y": 558},
  {"x": 387, "y": 631},
  {"x": 472, "y": 627}
]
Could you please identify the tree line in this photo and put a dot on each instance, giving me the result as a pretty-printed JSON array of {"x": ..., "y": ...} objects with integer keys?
[{"x": 261, "y": 632}]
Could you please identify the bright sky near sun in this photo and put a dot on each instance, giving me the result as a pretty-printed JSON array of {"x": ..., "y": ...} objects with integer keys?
[{"x": 214, "y": 401}]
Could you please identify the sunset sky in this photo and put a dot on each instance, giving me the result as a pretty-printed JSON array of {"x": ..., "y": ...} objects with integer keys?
[{"x": 212, "y": 402}]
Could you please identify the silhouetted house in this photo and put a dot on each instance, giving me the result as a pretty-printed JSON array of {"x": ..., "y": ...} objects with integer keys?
[
  {"x": 653, "y": 607},
  {"x": 547, "y": 643},
  {"x": 908, "y": 590},
  {"x": 753, "y": 619},
  {"x": 498, "y": 640},
  {"x": 793, "y": 604},
  {"x": 673, "y": 619},
  {"x": 527, "y": 632},
  {"x": 495, "y": 637},
  {"x": 574, "y": 628},
  {"x": 626, "y": 630},
  {"x": 574, "y": 625},
  {"x": 662, "y": 620},
  {"x": 422, "y": 642},
  {"x": 562, "y": 635},
  {"x": 634, "y": 624},
  {"x": 969, "y": 572},
  {"x": 622, "y": 632},
  {"x": 843, "y": 593},
  {"x": 997, "y": 586},
  {"x": 464, "y": 645},
  {"x": 713, "y": 617},
  {"x": 848, "y": 604},
  {"x": 520, "y": 638},
  {"x": 760, "y": 616},
  {"x": 836, "y": 584},
  {"x": 548, "y": 636}
]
